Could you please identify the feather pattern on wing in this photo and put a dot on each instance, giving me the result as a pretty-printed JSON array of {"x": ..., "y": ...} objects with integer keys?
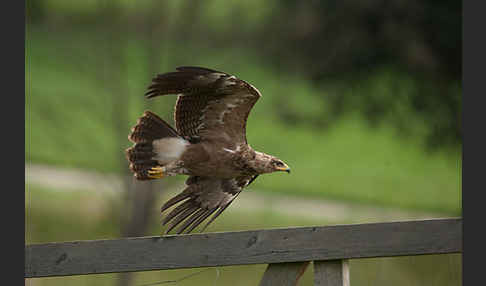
[
  {"x": 202, "y": 197},
  {"x": 211, "y": 105}
]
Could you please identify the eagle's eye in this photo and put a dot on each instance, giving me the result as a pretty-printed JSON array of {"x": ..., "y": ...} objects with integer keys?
[{"x": 279, "y": 164}]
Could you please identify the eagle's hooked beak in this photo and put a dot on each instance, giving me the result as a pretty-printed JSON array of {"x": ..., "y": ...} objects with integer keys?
[{"x": 284, "y": 168}]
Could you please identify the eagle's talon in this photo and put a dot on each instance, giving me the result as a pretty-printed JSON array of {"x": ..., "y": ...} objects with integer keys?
[{"x": 156, "y": 173}]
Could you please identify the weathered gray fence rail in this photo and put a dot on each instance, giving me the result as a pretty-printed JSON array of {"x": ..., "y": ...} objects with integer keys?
[{"x": 288, "y": 251}]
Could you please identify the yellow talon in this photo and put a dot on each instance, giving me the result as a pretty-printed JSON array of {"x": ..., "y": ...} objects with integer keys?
[{"x": 156, "y": 173}]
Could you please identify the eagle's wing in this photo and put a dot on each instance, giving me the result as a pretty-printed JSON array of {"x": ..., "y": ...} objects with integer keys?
[
  {"x": 211, "y": 105},
  {"x": 202, "y": 197}
]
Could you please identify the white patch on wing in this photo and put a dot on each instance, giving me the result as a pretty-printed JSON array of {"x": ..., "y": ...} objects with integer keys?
[
  {"x": 229, "y": 150},
  {"x": 229, "y": 81},
  {"x": 215, "y": 75},
  {"x": 169, "y": 149},
  {"x": 238, "y": 148}
]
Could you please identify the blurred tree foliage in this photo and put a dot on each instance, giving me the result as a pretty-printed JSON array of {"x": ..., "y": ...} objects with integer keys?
[
  {"x": 398, "y": 61},
  {"x": 372, "y": 45}
]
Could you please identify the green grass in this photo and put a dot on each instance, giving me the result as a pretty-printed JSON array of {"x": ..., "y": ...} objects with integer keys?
[
  {"x": 53, "y": 215},
  {"x": 355, "y": 163},
  {"x": 72, "y": 120}
]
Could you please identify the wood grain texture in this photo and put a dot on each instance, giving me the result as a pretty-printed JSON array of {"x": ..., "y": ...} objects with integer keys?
[
  {"x": 283, "y": 274},
  {"x": 331, "y": 273},
  {"x": 245, "y": 247}
]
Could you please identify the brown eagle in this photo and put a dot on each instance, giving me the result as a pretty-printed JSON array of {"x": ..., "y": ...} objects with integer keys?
[{"x": 209, "y": 144}]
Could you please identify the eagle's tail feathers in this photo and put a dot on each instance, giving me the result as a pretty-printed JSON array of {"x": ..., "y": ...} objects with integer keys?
[
  {"x": 151, "y": 127},
  {"x": 142, "y": 155},
  {"x": 140, "y": 158}
]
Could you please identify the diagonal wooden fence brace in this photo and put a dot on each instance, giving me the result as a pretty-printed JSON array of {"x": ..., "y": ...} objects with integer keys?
[{"x": 283, "y": 274}]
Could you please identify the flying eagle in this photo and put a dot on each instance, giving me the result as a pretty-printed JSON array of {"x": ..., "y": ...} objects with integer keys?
[{"x": 209, "y": 144}]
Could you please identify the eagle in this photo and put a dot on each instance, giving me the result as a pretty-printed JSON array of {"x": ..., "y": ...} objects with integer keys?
[{"x": 208, "y": 144}]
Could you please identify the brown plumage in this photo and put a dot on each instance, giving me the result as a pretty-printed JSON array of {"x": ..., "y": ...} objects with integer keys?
[{"x": 209, "y": 144}]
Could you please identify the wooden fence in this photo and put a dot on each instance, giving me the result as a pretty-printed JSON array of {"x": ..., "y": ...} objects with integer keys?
[{"x": 287, "y": 251}]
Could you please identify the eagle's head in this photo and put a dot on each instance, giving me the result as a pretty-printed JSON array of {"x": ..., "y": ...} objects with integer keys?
[{"x": 265, "y": 163}]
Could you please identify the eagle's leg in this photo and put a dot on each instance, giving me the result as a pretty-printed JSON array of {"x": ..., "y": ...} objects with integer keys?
[{"x": 156, "y": 172}]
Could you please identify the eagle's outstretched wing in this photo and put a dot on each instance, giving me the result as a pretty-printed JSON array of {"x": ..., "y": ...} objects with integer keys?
[
  {"x": 211, "y": 105},
  {"x": 202, "y": 197}
]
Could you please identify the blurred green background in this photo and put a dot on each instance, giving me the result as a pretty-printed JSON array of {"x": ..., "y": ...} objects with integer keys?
[{"x": 363, "y": 99}]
